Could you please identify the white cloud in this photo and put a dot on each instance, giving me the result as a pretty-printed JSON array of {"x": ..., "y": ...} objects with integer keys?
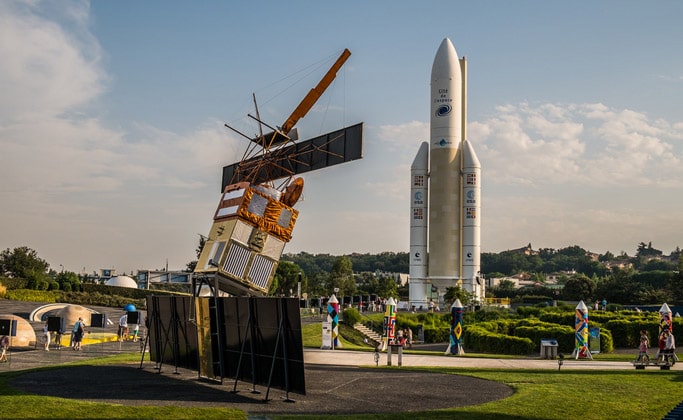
[
  {"x": 70, "y": 180},
  {"x": 45, "y": 71},
  {"x": 575, "y": 144}
]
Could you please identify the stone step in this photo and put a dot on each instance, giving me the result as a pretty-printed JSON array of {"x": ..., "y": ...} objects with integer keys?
[{"x": 368, "y": 333}]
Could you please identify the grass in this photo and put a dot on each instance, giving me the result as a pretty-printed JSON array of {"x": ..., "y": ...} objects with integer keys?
[
  {"x": 19, "y": 405},
  {"x": 548, "y": 395},
  {"x": 312, "y": 337}
]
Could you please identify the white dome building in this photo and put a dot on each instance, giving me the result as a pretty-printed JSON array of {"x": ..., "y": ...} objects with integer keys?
[{"x": 122, "y": 281}]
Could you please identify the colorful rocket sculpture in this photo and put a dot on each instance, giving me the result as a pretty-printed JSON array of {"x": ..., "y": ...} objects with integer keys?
[
  {"x": 665, "y": 318},
  {"x": 582, "y": 332},
  {"x": 333, "y": 318},
  {"x": 389, "y": 323},
  {"x": 455, "y": 345}
]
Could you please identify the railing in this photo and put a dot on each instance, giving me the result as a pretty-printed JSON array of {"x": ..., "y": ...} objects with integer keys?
[{"x": 498, "y": 301}]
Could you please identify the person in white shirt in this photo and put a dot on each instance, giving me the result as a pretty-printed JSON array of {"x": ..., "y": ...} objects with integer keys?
[
  {"x": 46, "y": 336},
  {"x": 670, "y": 347},
  {"x": 123, "y": 327}
]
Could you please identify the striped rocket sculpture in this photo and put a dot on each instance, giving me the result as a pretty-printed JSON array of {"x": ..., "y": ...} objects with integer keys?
[
  {"x": 333, "y": 319},
  {"x": 455, "y": 345},
  {"x": 581, "y": 335},
  {"x": 389, "y": 323}
]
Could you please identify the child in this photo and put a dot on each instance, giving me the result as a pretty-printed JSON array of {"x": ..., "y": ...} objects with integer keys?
[
  {"x": 46, "y": 337},
  {"x": 644, "y": 344},
  {"x": 4, "y": 346}
]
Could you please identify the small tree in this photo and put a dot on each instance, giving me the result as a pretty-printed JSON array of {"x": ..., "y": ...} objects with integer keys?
[
  {"x": 21, "y": 262},
  {"x": 342, "y": 277},
  {"x": 68, "y": 281},
  {"x": 457, "y": 292},
  {"x": 286, "y": 279},
  {"x": 579, "y": 287}
]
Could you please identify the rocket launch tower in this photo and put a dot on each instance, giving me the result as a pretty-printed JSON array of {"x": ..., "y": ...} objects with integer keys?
[{"x": 445, "y": 209}]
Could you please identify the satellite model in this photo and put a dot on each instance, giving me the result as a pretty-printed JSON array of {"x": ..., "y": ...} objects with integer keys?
[{"x": 255, "y": 217}]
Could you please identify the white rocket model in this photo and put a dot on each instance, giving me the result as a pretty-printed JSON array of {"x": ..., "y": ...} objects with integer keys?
[{"x": 445, "y": 219}]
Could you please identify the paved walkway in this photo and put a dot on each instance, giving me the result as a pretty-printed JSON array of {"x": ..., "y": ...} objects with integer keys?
[{"x": 357, "y": 358}]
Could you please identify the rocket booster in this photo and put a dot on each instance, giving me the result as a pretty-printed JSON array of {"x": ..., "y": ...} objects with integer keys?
[
  {"x": 452, "y": 226},
  {"x": 471, "y": 227},
  {"x": 419, "y": 195}
]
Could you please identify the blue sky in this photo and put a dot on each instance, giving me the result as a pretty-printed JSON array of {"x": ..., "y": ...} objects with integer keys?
[{"x": 112, "y": 112}]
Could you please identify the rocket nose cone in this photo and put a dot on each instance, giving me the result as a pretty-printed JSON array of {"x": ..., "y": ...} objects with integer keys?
[
  {"x": 470, "y": 159},
  {"x": 446, "y": 62},
  {"x": 421, "y": 161}
]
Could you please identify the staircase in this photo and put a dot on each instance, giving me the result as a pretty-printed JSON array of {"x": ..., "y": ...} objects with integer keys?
[{"x": 372, "y": 336}]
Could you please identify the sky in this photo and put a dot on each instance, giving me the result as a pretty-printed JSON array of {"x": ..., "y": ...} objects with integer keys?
[{"x": 112, "y": 113}]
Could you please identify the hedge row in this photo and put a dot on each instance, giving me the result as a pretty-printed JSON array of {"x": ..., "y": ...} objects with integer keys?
[
  {"x": 480, "y": 339},
  {"x": 626, "y": 332},
  {"x": 13, "y": 284},
  {"x": 530, "y": 329}
]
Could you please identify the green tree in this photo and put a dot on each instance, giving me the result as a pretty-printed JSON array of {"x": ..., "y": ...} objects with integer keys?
[
  {"x": 456, "y": 292},
  {"x": 674, "y": 286},
  {"x": 315, "y": 284},
  {"x": 607, "y": 256},
  {"x": 387, "y": 287},
  {"x": 192, "y": 264},
  {"x": 342, "y": 277},
  {"x": 505, "y": 288},
  {"x": 68, "y": 281},
  {"x": 22, "y": 262},
  {"x": 286, "y": 279},
  {"x": 579, "y": 287},
  {"x": 647, "y": 250}
]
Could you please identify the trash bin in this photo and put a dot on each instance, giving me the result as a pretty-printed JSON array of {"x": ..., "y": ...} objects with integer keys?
[{"x": 548, "y": 348}]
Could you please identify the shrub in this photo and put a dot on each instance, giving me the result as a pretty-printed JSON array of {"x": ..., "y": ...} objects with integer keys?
[
  {"x": 351, "y": 316},
  {"x": 13, "y": 283},
  {"x": 563, "y": 334},
  {"x": 436, "y": 335},
  {"x": 3, "y": 291},
  {"x": 29, "y": 295},
  {"x": 491, "y": 314},
  {"x": 529, "y": 311},
  {"x": 482, "y": 340}
]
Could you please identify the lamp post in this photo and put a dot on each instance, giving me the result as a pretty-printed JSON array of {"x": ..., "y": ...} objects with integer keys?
[{"x": 298, "y": 287}]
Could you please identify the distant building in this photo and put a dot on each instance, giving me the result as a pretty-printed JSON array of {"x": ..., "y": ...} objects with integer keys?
[
  {"x": 526, "y": 250},
  {"x": 620, "y": 264},
  {"x": 122, "y": 281},
  {"x": 147, "y": 277}
]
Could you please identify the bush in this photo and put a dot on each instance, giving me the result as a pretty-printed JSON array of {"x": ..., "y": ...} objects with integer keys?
[
  {"x": 529, "y": 311},
  {"x": 437, "y": 335},
  {"x": 482, "y": 340},
  {"x": 606, "y": 341},
  {"x": 351, "y": 316},
  {"x": 489, "y": 314},
  {"x": 29, "y": 295},
  {"x": 13, "y": 283},
  {"x": 3, "y": 291}
]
